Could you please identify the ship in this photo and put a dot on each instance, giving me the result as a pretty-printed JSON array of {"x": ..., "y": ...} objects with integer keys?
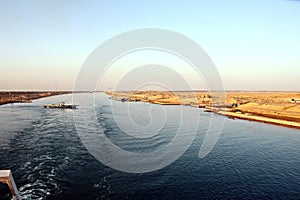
[
  {"x": 61, "y": 105},
  {"x": 8, "y": 188}
]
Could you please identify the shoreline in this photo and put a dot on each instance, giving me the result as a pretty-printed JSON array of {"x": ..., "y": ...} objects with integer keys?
[
  {"x": 7, "y": 97},
  {"x": 244, "y": 110},
  {"x": 276, "y": 108},
  {"x": 262, "y": 119}
]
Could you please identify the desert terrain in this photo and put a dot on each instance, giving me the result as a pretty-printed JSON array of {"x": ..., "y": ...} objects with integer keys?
[
  {"x": 26, "y": 97},
  {"x": 281, "y": 108}
]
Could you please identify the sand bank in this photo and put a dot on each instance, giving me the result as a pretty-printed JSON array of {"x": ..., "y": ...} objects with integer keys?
[
  {"x": 280, "y": 108},
  {"x": 26, "y": 97}
]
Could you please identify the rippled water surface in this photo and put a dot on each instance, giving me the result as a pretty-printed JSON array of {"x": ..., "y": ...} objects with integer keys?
[{"x": 49, "y": 161}]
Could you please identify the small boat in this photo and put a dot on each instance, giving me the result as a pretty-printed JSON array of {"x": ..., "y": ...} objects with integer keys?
[
  {"x": 62, "y": 105},
  {"x": 8, "y": 188}
]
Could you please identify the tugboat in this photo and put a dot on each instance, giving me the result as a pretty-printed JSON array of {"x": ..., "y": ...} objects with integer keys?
[{"x": 62, "y": 105}]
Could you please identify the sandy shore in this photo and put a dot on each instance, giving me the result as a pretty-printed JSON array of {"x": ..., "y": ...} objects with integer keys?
[
  {"x": 26, "y": 97},
  {"x": 280, "y": 108}
]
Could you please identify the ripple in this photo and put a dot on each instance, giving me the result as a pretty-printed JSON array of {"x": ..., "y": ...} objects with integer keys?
[{"x": 250, "y": 160}]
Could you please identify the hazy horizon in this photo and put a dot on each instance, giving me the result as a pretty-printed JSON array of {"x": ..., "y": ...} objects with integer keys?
[{"x": 253, "y": 44}]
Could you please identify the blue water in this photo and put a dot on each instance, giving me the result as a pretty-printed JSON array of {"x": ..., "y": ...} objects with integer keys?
[{"x": 49, "y": 161}]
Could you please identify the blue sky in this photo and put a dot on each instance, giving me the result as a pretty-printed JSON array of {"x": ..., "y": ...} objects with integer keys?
[{"x": 255, "y": 44}]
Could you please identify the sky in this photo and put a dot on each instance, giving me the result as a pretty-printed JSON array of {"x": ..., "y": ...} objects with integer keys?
[{"x": 255, "y": 45}]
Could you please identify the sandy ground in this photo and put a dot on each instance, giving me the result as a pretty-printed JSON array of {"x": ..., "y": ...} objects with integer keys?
[
  {"x": 26, "y": 97},
  {"x": 282, "y": 108}
]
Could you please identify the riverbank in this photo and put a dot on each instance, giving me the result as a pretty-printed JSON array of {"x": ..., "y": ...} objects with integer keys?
[
  {"x": 280, "y": 108},
  {"x": 26, "y": 97}
]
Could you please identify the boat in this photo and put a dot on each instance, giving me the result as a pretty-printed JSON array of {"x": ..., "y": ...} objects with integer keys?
[
  {"x": 8, "y": 188},
  {"x": 61, "y": 105}
]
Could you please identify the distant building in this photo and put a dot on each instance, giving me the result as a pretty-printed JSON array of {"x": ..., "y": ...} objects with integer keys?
[{"x": 295, "y": 100}]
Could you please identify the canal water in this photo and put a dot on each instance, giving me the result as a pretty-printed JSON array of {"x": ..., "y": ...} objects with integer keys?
[{"x": 50, "y": 156}]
